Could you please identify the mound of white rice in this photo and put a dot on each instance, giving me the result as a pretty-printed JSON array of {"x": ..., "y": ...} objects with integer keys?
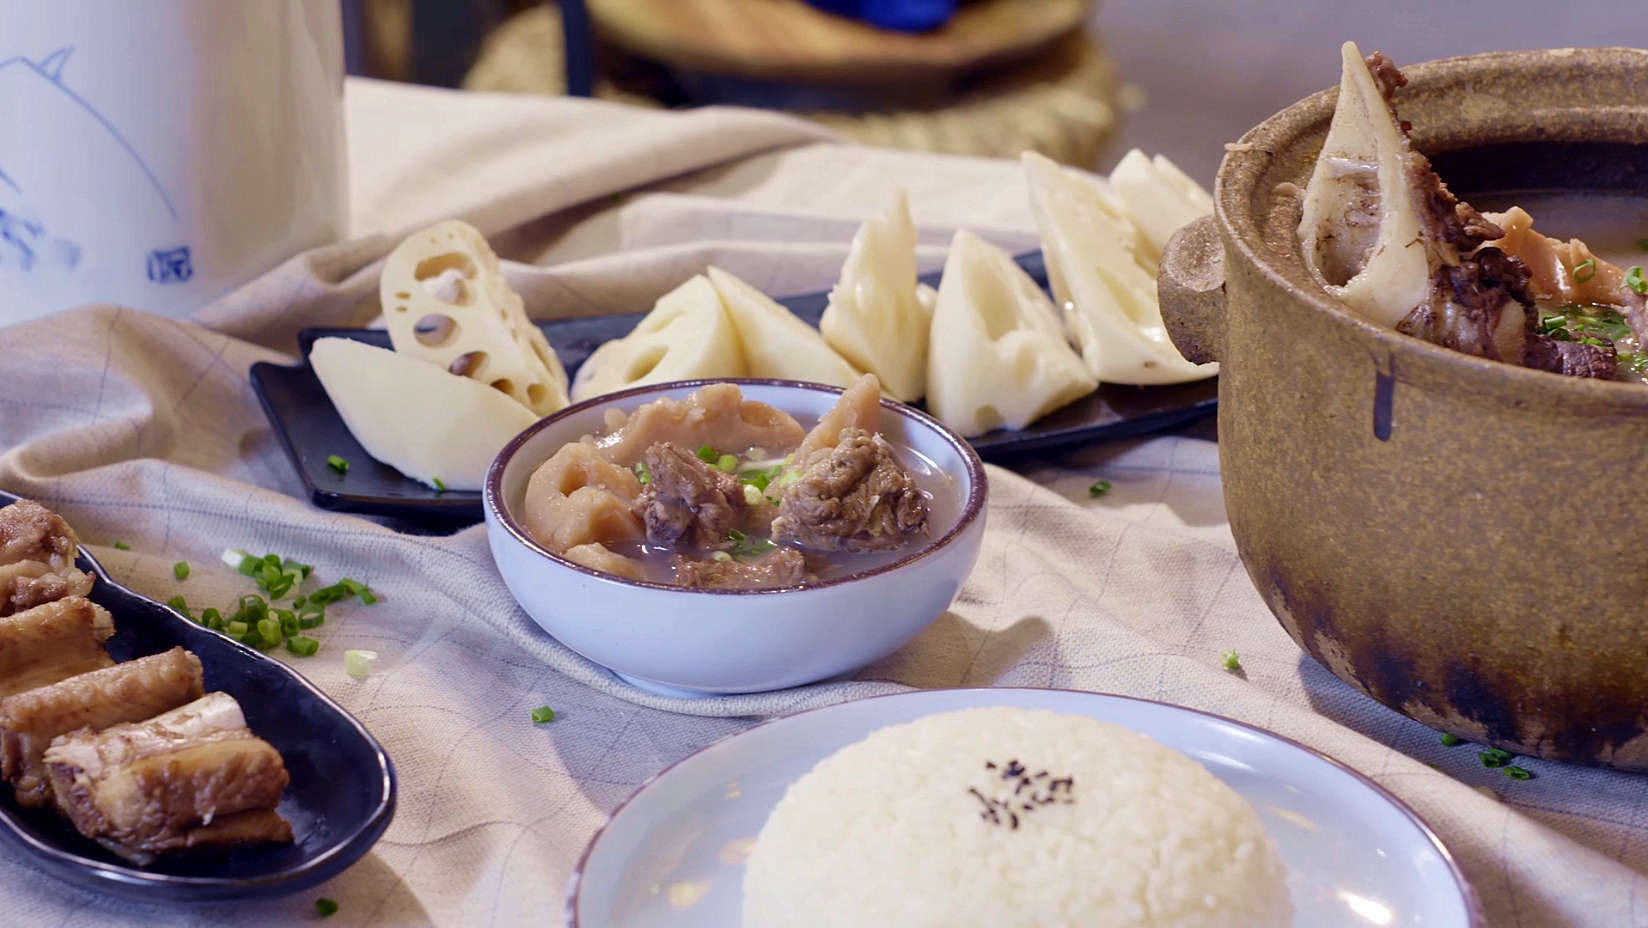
[{"x": 1013, "y": 817}]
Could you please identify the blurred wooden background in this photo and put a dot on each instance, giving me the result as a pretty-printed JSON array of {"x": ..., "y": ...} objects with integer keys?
[
  {"x": 1191, "y": 74},
  {"x": 1001, "y": 77}
]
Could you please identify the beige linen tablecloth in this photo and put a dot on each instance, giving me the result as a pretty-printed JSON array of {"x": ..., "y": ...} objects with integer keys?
[{"x": 144, "y": 431}]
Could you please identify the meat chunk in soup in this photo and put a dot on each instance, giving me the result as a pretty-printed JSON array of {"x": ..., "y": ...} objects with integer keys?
[
  {"x": 856, "y": 496},
  {"x": 780, "y": 568},
  {"x": 687, "y": 500},
  {"x": 717, "y": 415},
  {"x": 1572, "y": 359},
  {"x": 578, "y": 498}
]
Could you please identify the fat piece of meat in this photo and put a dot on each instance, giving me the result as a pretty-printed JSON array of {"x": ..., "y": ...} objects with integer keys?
[
  {"x": 783, "y": 567},
  {"x": 31, "y": 532},
  {"x": 193, "y": 777},
  {"x": 686, "y": 499},
  {"x": 37, "y": 552},
  {"x": 24, "y": 589},
  {"x": 855, "y": 497},
  {"x": 52, "y": 642},
  {"x": 128, "y": 692}
]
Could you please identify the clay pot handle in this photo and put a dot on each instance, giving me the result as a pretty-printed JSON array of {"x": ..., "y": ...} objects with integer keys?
[{"x": 1191, "y": 288}]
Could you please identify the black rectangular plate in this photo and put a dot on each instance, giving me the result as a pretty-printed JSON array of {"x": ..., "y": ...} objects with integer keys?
[
  {"x": 340, "y": 800},
  {"x": 310, "y": 429}
]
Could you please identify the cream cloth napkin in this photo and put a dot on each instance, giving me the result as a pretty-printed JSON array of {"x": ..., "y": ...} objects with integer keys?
[{"x": 145, "y": 431}]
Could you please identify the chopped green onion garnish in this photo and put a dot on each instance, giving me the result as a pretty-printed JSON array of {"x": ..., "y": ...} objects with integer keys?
[
  {"x": 1449, "y": 741},
  {"x": 326, "y": 907},
  {"x": 338, "y": 464},
  {"x": 720, "y": 556},
  {"x": 727, "y": 463},
  {"x": 752, "y": 495},
  {"x": 1230, "y": 661},
  {"x": 756, "y": 548},
  {"x": 311, "y": 615},
  {"x": 1495, "y": 757},
  {"x": 122, "y": 546},
  {"x": 736, "y": 535},
  {"x": 1633, "y": 279},
  {"x": 708, "y": 455},
  {"x": 1585, "y": 270},
  {"x": 288, "y": 622},
  {"x": 1518, "y": 773},
  {"x": 180, "y": 604},
  {"x": 543, "y": 714},
  {"x": 235, "y": 629},
  {"x": 1099, "y": 489},
  {"x": 302, "y": 645},
  {"x": 642, "y": 474},
  {"x": 180, "y": 570},
  {"x": 362, "y": 591},
  {"x": 211, "y": 618},
  {"x": 756, "y": 480},
  {"x": 440, "y": 486},
  {"x": 358, "y": 663},
  {"x": 270, "y": 631},
  {"x": 234, "y": 557}
]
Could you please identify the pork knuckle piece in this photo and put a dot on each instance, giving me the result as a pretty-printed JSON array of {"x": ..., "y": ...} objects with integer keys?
[
  {"x": 856, "y": 496},
  {"x": 687, "y": 500}
]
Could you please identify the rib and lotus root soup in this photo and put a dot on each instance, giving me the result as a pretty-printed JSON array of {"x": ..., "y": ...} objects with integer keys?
[
  {"x": 1382, "y": 232},
  {"x": 715, "y": 491}
]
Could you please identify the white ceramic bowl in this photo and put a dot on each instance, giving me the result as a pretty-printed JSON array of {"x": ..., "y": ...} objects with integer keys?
[{"x": 685, "y": 642}]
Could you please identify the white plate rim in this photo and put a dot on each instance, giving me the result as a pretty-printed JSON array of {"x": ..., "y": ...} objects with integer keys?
[{"x": 1473, "y": 907}]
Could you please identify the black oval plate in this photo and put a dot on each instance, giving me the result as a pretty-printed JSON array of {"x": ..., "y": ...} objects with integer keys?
[
  {"x": 340, "y": 800},
  {"x": 310, "y": 429}
]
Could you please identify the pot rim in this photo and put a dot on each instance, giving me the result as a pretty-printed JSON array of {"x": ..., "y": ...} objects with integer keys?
[{"x": 1246, "y": 164}]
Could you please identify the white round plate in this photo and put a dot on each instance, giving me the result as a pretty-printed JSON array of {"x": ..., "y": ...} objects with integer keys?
[{"x": 672, "y": 856}]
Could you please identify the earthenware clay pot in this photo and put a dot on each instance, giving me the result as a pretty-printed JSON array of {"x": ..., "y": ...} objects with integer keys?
[{"x": 1463, "y": 540}]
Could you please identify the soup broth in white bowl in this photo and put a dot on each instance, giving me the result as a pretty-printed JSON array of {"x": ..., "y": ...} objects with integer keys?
[{"x": 851, "y": 607}]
